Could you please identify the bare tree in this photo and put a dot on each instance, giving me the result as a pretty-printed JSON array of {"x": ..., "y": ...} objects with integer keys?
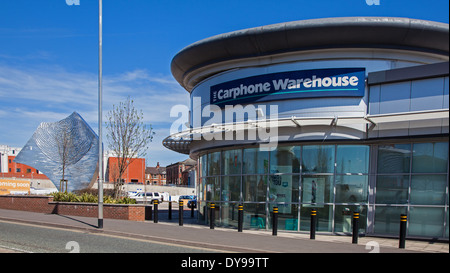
[
  {"x": 70, "y": 148},
  {"x": 128, "y": 137}
]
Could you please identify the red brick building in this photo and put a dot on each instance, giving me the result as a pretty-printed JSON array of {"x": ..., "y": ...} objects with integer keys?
[
  {"x": 175, "y": 172},
  {"x": 135, "y": 173},
  {"x": 155, "y": 175}
]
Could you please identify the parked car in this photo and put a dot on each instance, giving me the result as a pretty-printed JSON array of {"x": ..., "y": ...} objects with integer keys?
[
  {"x": 150, "y": 197},
  {"x": 187, "y": 198},
  {"x": 192, "y": 203}
]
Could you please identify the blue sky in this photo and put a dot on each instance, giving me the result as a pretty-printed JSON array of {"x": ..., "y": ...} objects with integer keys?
[{"x": 49, "y": 53}]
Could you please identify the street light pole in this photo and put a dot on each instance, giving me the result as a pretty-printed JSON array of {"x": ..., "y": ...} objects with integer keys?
[{"x": 100, "y": 122}]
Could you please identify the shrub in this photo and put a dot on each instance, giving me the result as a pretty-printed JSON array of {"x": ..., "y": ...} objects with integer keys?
[{"x": 87, "y": 197}]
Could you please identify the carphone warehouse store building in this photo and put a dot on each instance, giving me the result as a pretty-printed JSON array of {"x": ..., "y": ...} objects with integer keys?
[{"x": 337, "y": 114}]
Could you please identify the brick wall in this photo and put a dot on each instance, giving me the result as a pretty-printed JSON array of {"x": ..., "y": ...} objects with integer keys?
[
  {"x": 45, "y": 204},
  {"x": 27, "y": 203}
]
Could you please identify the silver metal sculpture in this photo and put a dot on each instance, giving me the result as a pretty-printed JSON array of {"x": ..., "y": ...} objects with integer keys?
[{"x": 65, "y": 151}]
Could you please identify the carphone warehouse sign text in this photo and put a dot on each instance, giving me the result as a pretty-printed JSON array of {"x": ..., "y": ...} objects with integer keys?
[{"x": 333, "y": 82}]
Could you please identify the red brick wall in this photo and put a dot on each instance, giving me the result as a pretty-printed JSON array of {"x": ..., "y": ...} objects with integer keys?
[
  {"x": 45, "y": 204},
  {"x": 29, "y": 203},
  {"x": 135, "y": 171}
]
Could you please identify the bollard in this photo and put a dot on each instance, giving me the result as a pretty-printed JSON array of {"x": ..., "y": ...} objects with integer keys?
[
  {"x": 180, "y": 213},
  {"x": 312, "y": 234},
  {"x": 192, "y": 209},
  {"x": 148, "y": 212},
  {"x": 403, "y": 221},
  {"x": 170, "y": 210},
  {"x": 355, "y": 227},
  {"x": 155, "y": 217},
  {"x": 212, "y": 214},
  {"x": 240, "y": 217},
  {"x": 275, "y": 221}
]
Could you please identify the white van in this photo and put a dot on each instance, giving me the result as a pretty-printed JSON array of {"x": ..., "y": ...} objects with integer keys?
[{"x": 148, "y": 197}]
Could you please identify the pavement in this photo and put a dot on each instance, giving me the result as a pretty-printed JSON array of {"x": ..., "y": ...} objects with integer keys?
[{"x": 195, "y": 234}]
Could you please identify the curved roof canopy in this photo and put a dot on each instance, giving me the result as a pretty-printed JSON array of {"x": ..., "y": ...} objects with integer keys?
[{"x": 344, "y": 32}]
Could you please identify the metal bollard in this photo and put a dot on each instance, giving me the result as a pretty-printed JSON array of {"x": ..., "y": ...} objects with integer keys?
[
  {"x": 155, "y": 217},
  {"x": 355, "y": 227},
  {"x": 211, "y": 216},
  {"x": 192, "y": 209},
  {"x": 170, "y": 210},
  {"x": 148, "y": 212},
  {"x": 275, "y": 221},
  {"x": 402, "y": 239},
  {"x": 180, "y": 213},
  {"x": 312, "y": 234},
  {"x": 240, "y": 217}
]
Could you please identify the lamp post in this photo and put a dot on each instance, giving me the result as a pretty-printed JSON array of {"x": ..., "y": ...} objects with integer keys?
[{"x": 100, "y": 142}]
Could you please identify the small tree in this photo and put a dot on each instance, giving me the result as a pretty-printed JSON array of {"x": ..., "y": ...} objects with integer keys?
[
  {"x": 70, "y": 149},
  {"x": 128, "y": 138}
]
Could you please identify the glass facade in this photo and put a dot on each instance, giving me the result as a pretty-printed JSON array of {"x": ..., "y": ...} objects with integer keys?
[
  {"x": 379, "y": 181},
  {"x": 412, "y": 179}
]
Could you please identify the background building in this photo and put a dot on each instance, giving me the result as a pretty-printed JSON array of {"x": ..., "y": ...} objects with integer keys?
[
  {"x": 155, "y": 175},
  {"x": 336, "y": 114},
  {"x": 175, "y": 172},
  {"x": 135, "y": 172}
]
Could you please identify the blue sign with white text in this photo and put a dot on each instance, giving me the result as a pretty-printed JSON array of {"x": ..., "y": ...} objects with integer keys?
[{"x": 333, "y": 82}]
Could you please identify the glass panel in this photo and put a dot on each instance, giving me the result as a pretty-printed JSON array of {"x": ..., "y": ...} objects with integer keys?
[
  {"x": 351, "y": 188},
  {"x": 231, "y": 188},
  {"x": 202, "y": 190},
  {"x": 201, "y": 210},
  {"x": 318, "y": 159},
  {"x": 394, "y": 158},
  {"x": 229, "y": 214},
  {"x": 231, "y": 162},
  {"x": 428, "y": 222},
  {"x": 344, "y": 216},
  {"x": 430, "y": 157},
  {"x": 213, "y": 164},
  {"x": 287, "y": 216},
  {"x": 446, "y": 229},
  {"x": 317, "y": 189},
  {"x": 352, "y": 159},
  {"x": 283, "y": 188},
  {"x": 324, "y": 218},
  {"x": 203, "y": 165},
  {"x": 212, "y": 189},
  {"x": 387, "y": 219},
  {"x": 255, "y": 161},
  {"x": 254, "y": 188},
  {"x": 392, "y": 189},
  {"x": 254, "y": 216},
  {"x": 428, "y": 189},
  {"x": 285, "y": 160}
]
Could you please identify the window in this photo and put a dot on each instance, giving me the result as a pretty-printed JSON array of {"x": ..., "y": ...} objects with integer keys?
[
  {"x": 231, "y": 188},
  {"x": 428, "y": 189},
  {"x": 318, "y": 159},
  {"x": 351, "y": 189},
  {"x": 231, "y": 162},
  {"x": 430, "y": 157},
  {"x": 392, "y": 189},
  {"x": 255, "y": 161},
  {"x": 394, "y": 158},
  {"x": 317, "y": 189},
  {"x": 285, "y": 159},
  {"x": 255, "y": 188},
  {"x": 352, "y": 159},
  {"x": 283, "y": 188},
  {"x": 213, "y": 160}
]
